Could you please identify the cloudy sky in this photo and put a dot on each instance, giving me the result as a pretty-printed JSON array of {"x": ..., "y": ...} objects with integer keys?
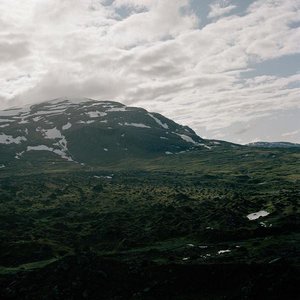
[{"x": 228, "y": 69}]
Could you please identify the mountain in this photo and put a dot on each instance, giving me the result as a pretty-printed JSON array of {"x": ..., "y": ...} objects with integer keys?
[
  {"x": 274, "y": 145},
  {"x": 103, "y": 201},
  {"x": 88, "y": 131}
]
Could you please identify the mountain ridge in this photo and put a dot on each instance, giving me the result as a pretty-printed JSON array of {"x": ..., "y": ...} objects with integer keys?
[
  {"x": 273, "y": 144},
  {"x": 84, "y": 130}
]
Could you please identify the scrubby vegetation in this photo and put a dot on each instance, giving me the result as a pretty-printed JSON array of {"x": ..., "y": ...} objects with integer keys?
[{"x": 127, "y": 231}]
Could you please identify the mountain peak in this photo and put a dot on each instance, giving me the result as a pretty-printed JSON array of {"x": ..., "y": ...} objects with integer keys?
[{"x": 84, "y": 130}]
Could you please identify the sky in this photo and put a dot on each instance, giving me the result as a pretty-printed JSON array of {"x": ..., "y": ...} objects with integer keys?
[{"x": 228, "y": 69}]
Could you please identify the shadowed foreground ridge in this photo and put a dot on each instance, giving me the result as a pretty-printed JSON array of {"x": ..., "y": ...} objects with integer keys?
[{"x": 89, "y": 277}]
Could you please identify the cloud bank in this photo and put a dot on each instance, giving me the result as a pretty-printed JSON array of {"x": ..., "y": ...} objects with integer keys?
[{"x": 159, "y": 54}]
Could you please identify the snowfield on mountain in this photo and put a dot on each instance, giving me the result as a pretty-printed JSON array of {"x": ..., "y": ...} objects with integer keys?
[{"x": 77, "y": 130}]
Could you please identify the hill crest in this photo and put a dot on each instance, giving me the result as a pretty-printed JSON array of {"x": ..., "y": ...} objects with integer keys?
[{"x": 84, "y": 130}]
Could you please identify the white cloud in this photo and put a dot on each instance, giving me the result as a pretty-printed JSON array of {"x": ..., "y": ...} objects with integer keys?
[
  {"x": 155, "y": 56},
  {"x": 164, "y": 20},
  {"x": 291, "y": 134},
  {"x": 134, "y": 3},
  {"x": 220, "y": 8}
]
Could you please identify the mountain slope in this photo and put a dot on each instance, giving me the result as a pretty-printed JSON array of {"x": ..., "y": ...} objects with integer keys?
[
  {"x": 225, "y": 209},
  {"x": 89, "y": 131}
]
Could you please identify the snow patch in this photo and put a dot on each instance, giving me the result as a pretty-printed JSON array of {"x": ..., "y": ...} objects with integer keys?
[
  {"x": 86, "y": 122},
  {"x": 66, "y": 126},
  {"x": 39, "y": 148},
  {"x": 136, "y": 125},
  {"x": 203, "y": 247},
  {"x": 224, "y": 251},
  {"x": 205, "y": 146},
  {"x": 95, "y": 114},
  {"x": 190, "y": 140},
  {"x": 23, "y": 121},
  {"x": 62, "y": 154},
  {"x": 256, "y": 215},
  {"x": 19, "y": 155},
  {"x": 115, "y": 109},
  {"x": 159, "y": 122},
  {"x": 8, "y": 139},
  {"x": 107, "y": 177},
  {"x": 52, "y": 134},
  {"x": 6, "y": 120},
  {"x": 36, "y": 119},
  {"x": 187, "y": 138},
  {"x": 59, "y": 152}
]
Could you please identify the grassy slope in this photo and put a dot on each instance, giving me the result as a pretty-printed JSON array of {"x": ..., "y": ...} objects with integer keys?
[{"x": 161, "y": 210}]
